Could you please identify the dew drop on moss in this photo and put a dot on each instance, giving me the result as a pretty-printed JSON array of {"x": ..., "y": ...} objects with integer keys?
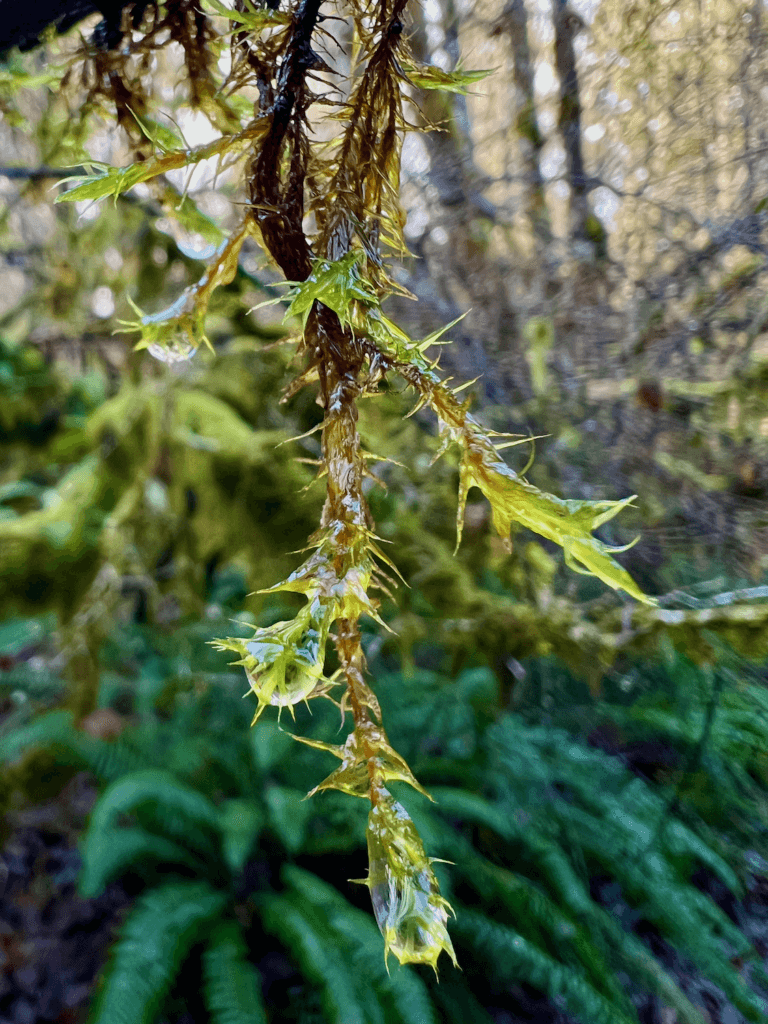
[{"x": 175, "y": 352}]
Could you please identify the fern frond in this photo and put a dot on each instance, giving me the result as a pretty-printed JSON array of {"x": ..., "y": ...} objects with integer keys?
[
  {"x": 241, "y": 822},
  {"x": 458, "y": 1003},
  {"x": 642, "y": 964},
  {"x": 402, "y": 986},
  {"x": 629, "y": 801},
  {"x": 541, "y": 921},
  {"x": 551, "y": 860},
  {"x": 55, "y": 731},
  {"x": 155, "y": 939},
  {"x": 513, "y": 959},
  {"x": 231, "y": 984},
  {"x": 313, "y": 947},
  {"x": 180, "y": 811},
  {"x": 678, "y": 907},
  {"x": 688, "y": 917},
  {"x": 109, "y": 852},
  {"x": 37, "y": 684},
  {"x": 595, "y": 936},
  {"x": 42, "y": 732},
  {"x": 106, "y": 760}
]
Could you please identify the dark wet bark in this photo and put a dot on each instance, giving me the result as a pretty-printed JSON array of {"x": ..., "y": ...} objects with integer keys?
[{"x": 23, "y": 24}]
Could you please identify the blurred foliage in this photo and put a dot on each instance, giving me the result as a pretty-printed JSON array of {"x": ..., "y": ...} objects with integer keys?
[
  {"x": 527, "y": 811},
  {"x": 206, "y": 822}
]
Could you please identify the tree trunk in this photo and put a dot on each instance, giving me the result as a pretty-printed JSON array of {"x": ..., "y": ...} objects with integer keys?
[
  {"x": 514, "y": 21},
  {"x": 585, "y": 226}
]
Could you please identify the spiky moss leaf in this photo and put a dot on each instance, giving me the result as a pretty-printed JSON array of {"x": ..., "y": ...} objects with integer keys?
[
  {"x": 571, "y": 524},
  {"x": 109, "y": 852},
  {"x": 314, "y": 948},
  {"x": 352, "y": 775},
  {"x": 284, "y": 662},
  {"x": 160, "y": 135},
  {"x": 427, "y": 76},
  {"x": 512, "y": 959},
  {"x": 408, "y": 993},
  {"x": 409, "y": 909},
  {"x": 155, "y": 939},
  {"x": 568, "y": 523},
  {"x": 335, "y": 283},
  {"x": 231, "y": 984},
  {"x": 184, "y": 210},
  {"x": 252, "y": 18},
  {"x": 175, "y": 333},
  {"x": 112, "y": 181}
]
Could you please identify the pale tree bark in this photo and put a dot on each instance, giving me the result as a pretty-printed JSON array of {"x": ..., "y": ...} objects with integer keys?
[
  {"x": 585, "y": 226},
  {"x": 514, "y": 22}
]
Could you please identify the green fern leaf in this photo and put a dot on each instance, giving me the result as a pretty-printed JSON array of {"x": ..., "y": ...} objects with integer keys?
[
  {"x": 155, "y": 939},
  {"x": 241, "y": 822},
  {"x": 550, "y": 858},
  {"x": 512, "y": 959},
  {"x": 56, "y": 731},
  {"x": 402, "y": 986},
  {"x": 458, "y": 1003},
  {"x": 314, "y": 948},
  {"x": 231, "y": 983},
  {"x": 43, "y": 732},
  {"x": 542, "y": 922},
  {"x": 288, "y": 814},
  {"x": 640, "y": 962},
  {"x": 178, "y": 810},
  {"x": 597, "y": 938},
  {"x": 108, "y": 761},
  {"x": 109, "y": 852}
]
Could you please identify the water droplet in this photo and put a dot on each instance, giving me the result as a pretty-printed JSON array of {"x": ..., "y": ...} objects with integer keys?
[{"x": 173, "y": 352}]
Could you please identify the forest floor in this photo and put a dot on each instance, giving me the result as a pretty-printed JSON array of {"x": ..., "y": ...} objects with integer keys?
[{"x": 52, "y": 942}]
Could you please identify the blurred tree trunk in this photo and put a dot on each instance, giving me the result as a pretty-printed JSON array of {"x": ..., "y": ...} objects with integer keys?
[
  {"x": 514, "y": 21},
  {"x": 585, "y": 226}
]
